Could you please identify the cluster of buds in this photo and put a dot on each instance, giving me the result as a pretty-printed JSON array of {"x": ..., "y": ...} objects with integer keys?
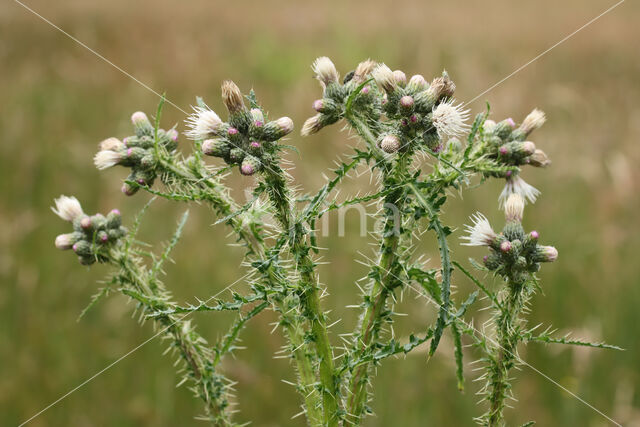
[
  {"x": 331, "y": 107},
  {"x": 93, "y": 235},
  {"x": 514, "y": 254},
  {"x": 508, "y": 143},
  {"x": 421, "y": 112},
  {"x": 137, "y": 152},
  {"x": 247, "y": 139}
]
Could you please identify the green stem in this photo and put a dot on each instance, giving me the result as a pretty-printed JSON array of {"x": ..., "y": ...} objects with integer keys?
[
  {"x": 386, "y": 275},
  {"x": 308, "y": 290},
  {"x": 503, "y": 353}
]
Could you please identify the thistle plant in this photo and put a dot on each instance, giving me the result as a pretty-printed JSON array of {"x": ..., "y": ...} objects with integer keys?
[{"x": 418, "y": 146}]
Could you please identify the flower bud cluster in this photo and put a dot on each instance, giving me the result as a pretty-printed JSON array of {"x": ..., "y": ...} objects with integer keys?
[
  {"x": 508, "y": 144},
  {"x": 137, "y": 152},
  {"x": 93, "y": 235},
  {"x": 331, "y": 107},
  {"x": 514, "y": 254},
  {"x": 247, "y": 139},
  {"x": 422, "y": 112}
]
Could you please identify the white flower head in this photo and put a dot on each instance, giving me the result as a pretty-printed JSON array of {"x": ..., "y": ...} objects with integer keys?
[
  {"x": 202, "y": 124},
  {"x": 480, "y": 233},
  {"x": 325, "y": 71},
  {"x": 533, "y": 121},
  {"x": 384, "y": 78},
  {"x": 111, "y": 144},
  {"x": 67, "y": 208},
  {"x": 106, "y": 158},
  {"x": 64, "y": 241},
  {"x": 514, "y": 208},
  {"x": 311, "y": 125},
  {"x": 517, "y": 185},
  {"x": 449, "y": 119}
]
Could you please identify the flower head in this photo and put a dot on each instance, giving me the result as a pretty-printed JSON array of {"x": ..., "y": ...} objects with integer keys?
[
  {"x": 517, "y": 185},
  {"x": 325, "y": 71},
  {"x": 384, "y": 78},
  {"x": 311, "y": 125},
  {"x": 449, "y": 119},
  {"x": 112, "y": 144},
  {"x": 480, "y": 233},
  {"x": 202, "y": 124},
  {"x": 363, "y": 70},
  {"x": 539, "y": 159},
  {"x": 533, "y": 121},
  {"x": 67, "y": 208},
  {"x": 390, "y": 144},
  {"x": 232, "y": 97},
  {"x": 106, "y": 158},
  {"x": 514, "y": 208}
]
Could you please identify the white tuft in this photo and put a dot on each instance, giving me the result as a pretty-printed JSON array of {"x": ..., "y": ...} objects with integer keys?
[
  {"x": 480, "y": 233},
  {"x": 517, "y": 185},
  {"x": 311, "y": 125},
  {"x": 514, "y": 208},
  {"x": 202, "y": 124},
  {"x": 67, "y": 208},
  {"x": 106, "y": 158},
  {"x": 450, "y": 119},
  {"x": 325, "y": 70},
  {"x": 384, "y": 78},
  {"x": 64, "y": 241},
  {"x": 533, "y": 121}
]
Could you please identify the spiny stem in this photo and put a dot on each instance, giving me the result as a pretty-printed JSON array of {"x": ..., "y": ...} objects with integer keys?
[
  {"x": 308, "y": 289},
  {"x": 382, "y": 286}
]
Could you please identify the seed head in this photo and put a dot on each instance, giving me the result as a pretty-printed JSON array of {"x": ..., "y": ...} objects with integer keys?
[
  {"x": 514, "y": 208},
  {"x": 533, "y": 121},
  {"x": 325, "y": 71},
  {"x": 442, "y": 87},
  {"x": 539, "y": 159},
  {"x": 311, "y": 125},
  {"x": 67, "y": 208},
  {"x": 232, "y": 97},
  {"x": 384, "y": 78},
  {"x": 363, "y": 70}
]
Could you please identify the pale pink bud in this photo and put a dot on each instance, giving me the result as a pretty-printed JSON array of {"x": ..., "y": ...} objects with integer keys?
[
  {"x": 64, "y": 241},
  {"x": 505, "y": 246},
  {"x": 400, "y": 77},
  {"x": 528, "y": 147},
  {"x": 112, "y": 144}
]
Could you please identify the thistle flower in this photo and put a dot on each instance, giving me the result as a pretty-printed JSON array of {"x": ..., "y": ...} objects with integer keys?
[
  {"x": 390, "y": 144},
  {"x": 285, "y": 124},
  {"x": 480, "y": 233},
  {"x": 67, "y": 208},
  {"x": 517, "y": 185},
  {"x": 363, "y": 70},
  {"x": 311, "y": 125},
  {"x": 202, "y": 124},
  {"x": 449, "y": 119},
  {"x": 533, "y": 121},
  {"x": 528, "y": 147},
  {"x": 539, "y": 159},
  {"x": 514, "y": 208},
  {"x": 112, "y": 144},
  {"x": 384, "y": 78},
  {"x": 406, "y": 102},
  {"x": 325, "y": 71},
  {"x": 489, "y": 126},
  {"x": 258, "y": 117},
  {"x": 232, "y": 97},
  {"x": 106, "y": 158}
]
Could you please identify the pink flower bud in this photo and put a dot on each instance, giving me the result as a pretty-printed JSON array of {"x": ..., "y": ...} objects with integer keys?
[
  {"x": 85, "y": 223},
  {"x": 232, "y": 131},
  {"x": 503, "y": 151},
  {"x": 528, "y": 147},
  {"x": 115, "y": 212},
  {"x": 140, "y": 119},
  {"x": 255, "y": 144},
  {"x": 511, "y": 123},
  {"x": 400, "y": 77},
  {"x": 534, "y": 235},
  {"x": 318, "y": 105},
  {"x": 172, "y": 134},
  {"x": 285, "y": 124},
  {"x": 505, "y": 246},
  {"x": 406, "y": 101},
  {"x": 365, "y": 90}
]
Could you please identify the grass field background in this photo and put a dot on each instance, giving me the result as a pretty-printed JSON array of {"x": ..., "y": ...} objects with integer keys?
[{"x": 59, "y": 100}]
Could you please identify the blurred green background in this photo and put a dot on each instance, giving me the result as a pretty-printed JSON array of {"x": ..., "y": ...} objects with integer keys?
[{"x": 59, "y": 100}]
